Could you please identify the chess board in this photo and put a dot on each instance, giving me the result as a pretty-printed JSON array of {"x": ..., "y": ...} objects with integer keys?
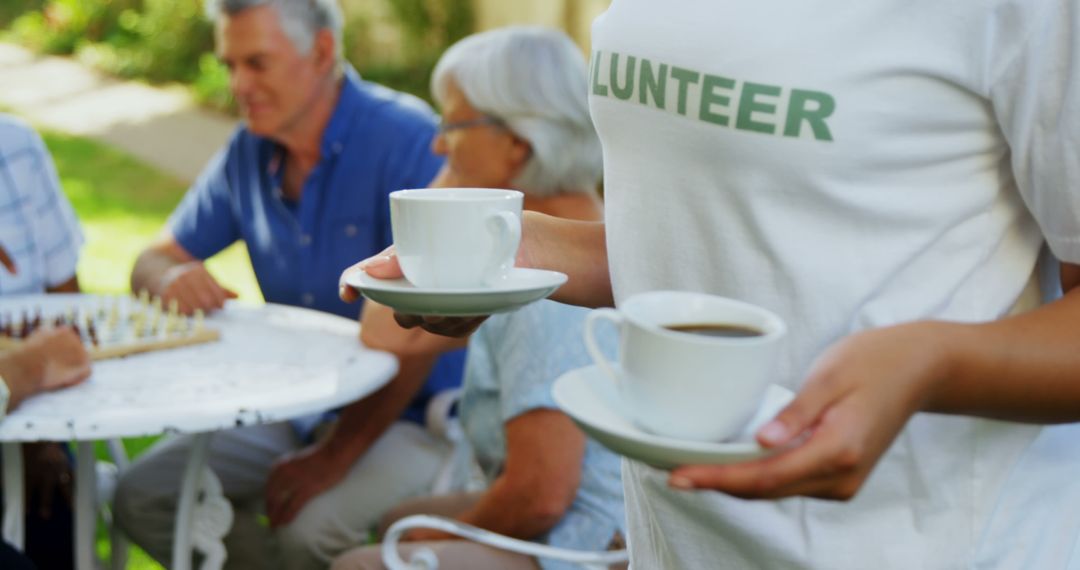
[{"x": 116, "y": 326}]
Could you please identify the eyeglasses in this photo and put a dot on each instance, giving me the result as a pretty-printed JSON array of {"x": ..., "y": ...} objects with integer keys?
[{"x": 484, "y": 121}]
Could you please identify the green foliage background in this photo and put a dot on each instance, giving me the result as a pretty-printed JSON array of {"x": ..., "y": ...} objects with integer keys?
[{"x": 172, "y": 41}]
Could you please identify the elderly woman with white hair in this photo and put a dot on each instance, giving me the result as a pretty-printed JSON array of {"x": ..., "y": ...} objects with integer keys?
[{"x": 515, "y": 116}]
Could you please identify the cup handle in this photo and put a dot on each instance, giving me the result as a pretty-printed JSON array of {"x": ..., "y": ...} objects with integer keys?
[
  {"x": 507, "y": 229},
  {"x": 611, "y": 315}
]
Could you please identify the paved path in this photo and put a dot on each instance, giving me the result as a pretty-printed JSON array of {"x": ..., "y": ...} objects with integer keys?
[{"x": 162, "y": 126}]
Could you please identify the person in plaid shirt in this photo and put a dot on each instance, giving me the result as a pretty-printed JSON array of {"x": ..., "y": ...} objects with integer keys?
[
  {"x": 40, "y": 240},
  {"x": 39, "y": 233}
]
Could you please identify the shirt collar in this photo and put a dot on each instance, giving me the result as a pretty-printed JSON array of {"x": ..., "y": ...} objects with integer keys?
[
  {"x": 337, "y": 130},
  {"x": 340, "y": 125}
]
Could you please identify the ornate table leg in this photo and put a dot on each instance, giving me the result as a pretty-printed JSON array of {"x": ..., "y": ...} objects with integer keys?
[
  {"x": 118, "y": 542},
  {"x": 85, "y": 506},
  {"x": 13, "y": 494},
  {"x": 203, "y": 515}
]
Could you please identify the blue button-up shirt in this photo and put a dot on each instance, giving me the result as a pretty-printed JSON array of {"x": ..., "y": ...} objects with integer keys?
[{"x": 377, "y": 141}]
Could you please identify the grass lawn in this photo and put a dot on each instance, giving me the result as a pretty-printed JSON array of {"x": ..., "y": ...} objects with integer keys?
[{"x": 123, "y": 204}]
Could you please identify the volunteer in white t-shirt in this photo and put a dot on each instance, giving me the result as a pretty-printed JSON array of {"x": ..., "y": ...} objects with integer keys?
[{"x": 884, "y": 175}]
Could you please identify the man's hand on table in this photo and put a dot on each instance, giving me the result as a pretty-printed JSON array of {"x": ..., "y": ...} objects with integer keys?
[
  {"x": 385, "y": 266},
  {"x": 193, "y": 288},
  {"x": 56, "y": 358},
  {"x": 297, "y": 478},
  {"x": 50, "y": 359}
]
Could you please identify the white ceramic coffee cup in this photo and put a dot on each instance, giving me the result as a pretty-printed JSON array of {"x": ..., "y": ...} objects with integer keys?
[
  {"x": 686, "y": 385},
  {"x": 456, "y": 238}
]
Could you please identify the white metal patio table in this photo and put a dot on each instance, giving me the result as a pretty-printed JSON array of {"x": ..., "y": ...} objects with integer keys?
[{"x": 272, "y": 363}]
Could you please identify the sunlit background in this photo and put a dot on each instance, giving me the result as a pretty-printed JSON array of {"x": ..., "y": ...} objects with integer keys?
[{"x": 131, "y": 102}]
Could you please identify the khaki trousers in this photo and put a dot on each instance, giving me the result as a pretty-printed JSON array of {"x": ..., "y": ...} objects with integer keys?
[{"x": 402, "y": 464}]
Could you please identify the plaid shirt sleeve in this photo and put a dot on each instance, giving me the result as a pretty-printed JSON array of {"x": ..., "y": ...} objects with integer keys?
[
  {"x": 59, "y": 235},
  {"x": 38, "y": 227}
]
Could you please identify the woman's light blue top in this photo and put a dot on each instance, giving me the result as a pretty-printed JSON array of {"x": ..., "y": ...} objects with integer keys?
[{"x": 512, "y": 362}]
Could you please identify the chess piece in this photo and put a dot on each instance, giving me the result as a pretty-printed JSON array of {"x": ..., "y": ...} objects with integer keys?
[
  {"x": 91, "y": 332},
  {"x": 114, "y": 316},
  {"x": 138, "y": 323}
]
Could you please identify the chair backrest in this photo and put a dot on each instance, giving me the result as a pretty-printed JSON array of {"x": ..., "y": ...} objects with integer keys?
[{"x": 458, "y": 471}]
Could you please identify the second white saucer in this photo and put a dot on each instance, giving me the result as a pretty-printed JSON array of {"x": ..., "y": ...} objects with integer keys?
[
  {"x": 520, "y": 287},
  {"x": 591, "y": 399}
]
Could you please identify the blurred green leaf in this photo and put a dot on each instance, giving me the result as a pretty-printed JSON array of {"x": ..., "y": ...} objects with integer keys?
[{"x": 172, "y": 41}]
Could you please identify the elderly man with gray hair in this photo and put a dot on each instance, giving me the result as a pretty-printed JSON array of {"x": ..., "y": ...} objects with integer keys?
[{"x": 305, "y": 184}]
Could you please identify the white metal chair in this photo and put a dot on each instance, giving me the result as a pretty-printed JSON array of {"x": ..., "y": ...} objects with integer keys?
[
  {"x": 425, "y": 559},
  {"x": 107, "y": 476},
  {"x": 459, "y": 472},
  {"x": 441, "y": 423},
  {"x": 102, "y": 480}
]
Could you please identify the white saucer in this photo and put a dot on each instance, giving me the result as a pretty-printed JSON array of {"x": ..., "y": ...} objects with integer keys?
[
  {"x": 519, "y": 288},
  {"x": 591, "y": 399}
]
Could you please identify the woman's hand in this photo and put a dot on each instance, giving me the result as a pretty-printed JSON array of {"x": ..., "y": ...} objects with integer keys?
[
  {"x": 856, "y": 399},
  {"x": 379, "y": 330},
  {"x": 297, "y": 478},
  {"x": 385, "y": 265}
]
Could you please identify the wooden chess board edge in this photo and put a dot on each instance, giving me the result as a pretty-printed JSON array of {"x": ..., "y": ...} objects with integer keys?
[
  {"x": 196, "y": 337},
  {"x": 7, "y": 343}
]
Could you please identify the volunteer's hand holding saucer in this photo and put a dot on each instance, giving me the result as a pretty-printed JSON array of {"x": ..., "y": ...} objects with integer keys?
[
  {"x": 454, "y": 256},
  {"x": 855, "y": 401},
  {"x": 827, "y": 440},
  {"x": 385, "y": 266}
]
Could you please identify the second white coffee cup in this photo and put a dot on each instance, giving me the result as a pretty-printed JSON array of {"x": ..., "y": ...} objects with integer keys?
[
  {"x": 456, "y": 238},
  {"x": 701, "y": 385}
]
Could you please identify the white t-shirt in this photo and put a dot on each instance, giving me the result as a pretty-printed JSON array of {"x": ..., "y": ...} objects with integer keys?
[{"x": 849, "y": 166}]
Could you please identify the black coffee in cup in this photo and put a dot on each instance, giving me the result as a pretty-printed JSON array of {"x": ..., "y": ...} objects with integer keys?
[{"x": 722, "y": 330}]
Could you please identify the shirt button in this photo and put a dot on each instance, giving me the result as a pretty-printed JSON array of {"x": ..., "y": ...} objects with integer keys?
[
  {"x": 337, "y": 148},
  {"x": 305, "y": 240},
  {"x": 307, "y": 299},
  {"x": 350, "y": 230}
]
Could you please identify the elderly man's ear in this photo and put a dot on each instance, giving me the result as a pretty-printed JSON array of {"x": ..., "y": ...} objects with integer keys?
[
  {"x": 520, "y": 152},
  {"x": 325, "y": 50}
]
